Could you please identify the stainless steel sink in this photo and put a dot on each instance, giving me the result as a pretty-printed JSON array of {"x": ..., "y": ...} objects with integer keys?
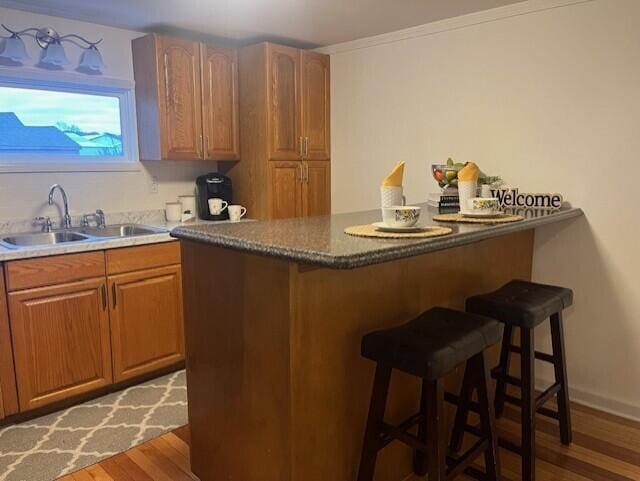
[
  {"x": 88, "y": 234},
  {"x": 43, "y": 238},
  {"x": 122, "y": 230}
]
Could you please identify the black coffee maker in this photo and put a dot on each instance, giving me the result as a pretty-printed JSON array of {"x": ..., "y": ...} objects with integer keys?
[{"x": 211, "y": 186}]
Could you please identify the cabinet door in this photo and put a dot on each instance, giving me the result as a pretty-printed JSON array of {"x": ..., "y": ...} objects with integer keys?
[
  {"x": 61, "y": 341},
  {"x": 285, "y": 189},
  {"x": 8, "y": 391},
  {"x": 220, "y": 103},
  {"x": 181, "y": 110},
  {"x": 316, "y": 116},
  {"x": 316, "y": 190},
  {"x": 284, "y": 118},
  {"x": 146, "y": 321}
]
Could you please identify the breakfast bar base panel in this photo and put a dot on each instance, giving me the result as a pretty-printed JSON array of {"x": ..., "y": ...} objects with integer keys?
[{"x": 277, "y": 388}]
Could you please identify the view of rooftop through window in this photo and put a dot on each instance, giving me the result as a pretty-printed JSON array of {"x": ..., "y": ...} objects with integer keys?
[{"x": 53, "y": 122}]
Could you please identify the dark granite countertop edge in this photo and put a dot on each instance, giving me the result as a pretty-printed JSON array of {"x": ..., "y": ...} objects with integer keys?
[{"x": 389, "y": 253}]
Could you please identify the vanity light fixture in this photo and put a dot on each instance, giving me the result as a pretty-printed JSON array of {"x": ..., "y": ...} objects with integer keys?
[{"x": 54, "y": 54}]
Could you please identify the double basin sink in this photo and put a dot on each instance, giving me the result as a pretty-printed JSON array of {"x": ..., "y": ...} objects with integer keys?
[{"x": 86, "y": 234}]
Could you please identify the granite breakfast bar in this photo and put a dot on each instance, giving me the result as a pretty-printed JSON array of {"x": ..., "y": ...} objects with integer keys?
[{"x": 274, "y": 315}]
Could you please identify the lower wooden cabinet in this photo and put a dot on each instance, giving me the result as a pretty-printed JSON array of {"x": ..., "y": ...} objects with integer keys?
[
  {"x": 299, "y": 188},
  {"x": 61, "y": 341},
  {"x": 146, "y": 321},
  {"x": 316, "y": 188},
  {"x": 8, "y": 390},
  {"x": 285, "y": 184},
  {"x": 80, "y": 322}
]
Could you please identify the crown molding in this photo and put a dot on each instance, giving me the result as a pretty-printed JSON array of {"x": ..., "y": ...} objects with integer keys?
[{"x": 463, "y": 21}]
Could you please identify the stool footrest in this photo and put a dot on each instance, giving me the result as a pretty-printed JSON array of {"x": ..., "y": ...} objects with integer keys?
[
  {"x": 459, "y": 464},
  {"x": 546, "y": 395},
  {"x": 451, "y": 398},
  {"x": 508, "y": 379},
  {"x": 542, "y": 356},
  {"x": 399, "y": 432},
  {"x": 540, "y": 400}
]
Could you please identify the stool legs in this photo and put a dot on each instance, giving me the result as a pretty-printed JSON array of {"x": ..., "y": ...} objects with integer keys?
[
  {"x": 528, "y": 404},
  {"x": 487, "y": 418},
  {"x": 437, "y": 447},
  {"x": 430, "y": 445},
  {"x": 462, "y": 411},
  {"x": 503, "y": 369},
  {"x": 420, "y": 465},
  {"x": 560, "y": 367},
  {"x": 370, "y": 446}
]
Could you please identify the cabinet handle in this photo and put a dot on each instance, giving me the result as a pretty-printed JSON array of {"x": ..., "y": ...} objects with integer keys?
[
  {"x": 201, "y": 145},
  {"x": 104, "y": 297},
  {"x": 306, "y": 147},
  {"x": 306, "y": 173},
  {"x": 300, "y": 148},
  {"x": 113, "y": 292},
  {"x": 301, "y": 174}
]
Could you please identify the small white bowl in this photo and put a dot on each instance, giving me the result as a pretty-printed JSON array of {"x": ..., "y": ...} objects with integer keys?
[{"x": 401, "y": 215}]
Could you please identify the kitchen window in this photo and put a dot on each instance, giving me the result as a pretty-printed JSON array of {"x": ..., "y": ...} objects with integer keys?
[{"x": 61, "y": 125}]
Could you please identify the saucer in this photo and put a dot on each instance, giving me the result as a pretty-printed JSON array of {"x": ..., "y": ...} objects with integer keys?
[
  {"x": 382, "y": 227},
  {"x": 483, "y": 215}
]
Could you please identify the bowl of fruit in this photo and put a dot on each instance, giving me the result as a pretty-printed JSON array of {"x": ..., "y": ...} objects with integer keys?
[{"x": 447, "y": 174}]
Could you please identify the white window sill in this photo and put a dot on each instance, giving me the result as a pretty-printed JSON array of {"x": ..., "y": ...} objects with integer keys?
[{"x": 83, "y": 166}]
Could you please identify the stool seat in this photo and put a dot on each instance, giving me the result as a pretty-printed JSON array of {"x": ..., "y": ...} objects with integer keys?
[
  {"x": 433, "y": 344},
  {"x": 521, "y": 303}
]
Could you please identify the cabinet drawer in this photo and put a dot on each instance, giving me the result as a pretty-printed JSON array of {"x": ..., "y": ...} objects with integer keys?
[
  {"x": 48, "y": 271},
  {"x": 131, "y": 259}
]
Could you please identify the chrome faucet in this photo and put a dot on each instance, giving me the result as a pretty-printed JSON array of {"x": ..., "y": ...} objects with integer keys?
[
  {"x": 98, "y": 216},
  {"x": 66, "y": 218}
]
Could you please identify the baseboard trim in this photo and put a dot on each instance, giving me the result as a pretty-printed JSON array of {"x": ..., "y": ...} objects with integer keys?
[{"x": 597, "y": 401}]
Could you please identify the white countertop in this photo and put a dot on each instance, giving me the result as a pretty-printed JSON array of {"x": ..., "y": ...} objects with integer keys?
[{"x": 9, "y": 254}]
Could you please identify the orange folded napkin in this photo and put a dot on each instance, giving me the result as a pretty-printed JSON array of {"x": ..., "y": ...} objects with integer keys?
[{"x": 394, "y": 179}]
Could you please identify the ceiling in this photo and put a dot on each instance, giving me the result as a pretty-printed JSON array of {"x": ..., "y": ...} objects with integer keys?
[{"x": 303, "y": 22}]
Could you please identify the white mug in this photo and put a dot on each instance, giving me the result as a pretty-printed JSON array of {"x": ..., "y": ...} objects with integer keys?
[
  {"x": 390, "y": 196},
  {"x": 236, "y": 212},
  {"x": 217, "y": 206},
  {"x": 173, "y": 211}
]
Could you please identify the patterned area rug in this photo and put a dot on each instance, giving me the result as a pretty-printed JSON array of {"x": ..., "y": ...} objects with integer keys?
[{"x": 50, "y": 446}]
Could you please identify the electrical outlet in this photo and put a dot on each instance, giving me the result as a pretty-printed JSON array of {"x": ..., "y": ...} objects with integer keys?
[{"x": 153, "y": 185}]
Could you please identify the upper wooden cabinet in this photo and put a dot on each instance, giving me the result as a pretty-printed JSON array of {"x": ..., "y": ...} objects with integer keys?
[
  {"x": 283, "y": 99},
  {"x": 61, "y": 341},
  {"x": 220, "y": 102},
  {"x": 186, "y": 99},
  {"x": 284, "y": 120},
  {"x": 316, "y": 117}
]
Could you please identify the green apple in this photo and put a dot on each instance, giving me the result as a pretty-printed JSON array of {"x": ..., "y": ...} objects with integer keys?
[{"x": 450, "y": 175}]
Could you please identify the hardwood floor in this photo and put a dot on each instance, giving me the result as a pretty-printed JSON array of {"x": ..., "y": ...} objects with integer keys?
[{"x": 605, "y": 448}]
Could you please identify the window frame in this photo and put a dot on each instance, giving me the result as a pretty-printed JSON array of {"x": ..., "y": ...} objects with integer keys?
[{"x": 74, "y": 83}]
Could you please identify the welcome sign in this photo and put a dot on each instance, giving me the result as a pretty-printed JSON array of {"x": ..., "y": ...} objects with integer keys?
[{"x": 512, "y": 198}]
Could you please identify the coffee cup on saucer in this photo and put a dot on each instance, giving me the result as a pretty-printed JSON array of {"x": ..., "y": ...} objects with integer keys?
[
  {"x": 482, "y": 206},
  {"x": 400, "y": 216}
]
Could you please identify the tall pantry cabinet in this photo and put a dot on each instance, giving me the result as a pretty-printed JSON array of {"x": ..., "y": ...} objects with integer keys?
[{"x": 285, "y": 170}]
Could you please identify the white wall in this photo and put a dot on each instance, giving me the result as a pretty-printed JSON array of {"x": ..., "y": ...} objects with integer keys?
[
  {"x": 547, "y": 94},
  {"x": 25, "y": 195}
]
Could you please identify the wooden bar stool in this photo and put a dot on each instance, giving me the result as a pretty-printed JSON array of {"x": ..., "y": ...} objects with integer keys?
[
  {"x": 430, "y": 347},
  {"x": 526, "y": 305}
]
